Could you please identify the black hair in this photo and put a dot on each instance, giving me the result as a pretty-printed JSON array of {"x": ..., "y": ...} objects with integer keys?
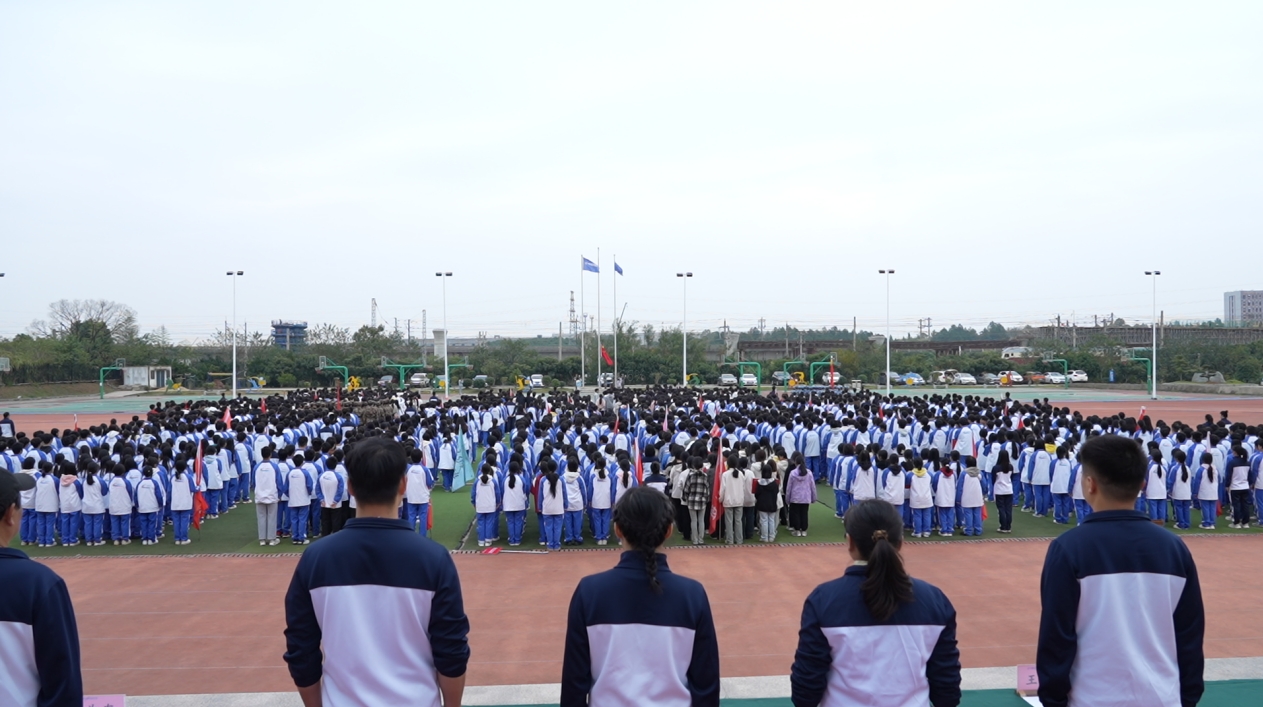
[
  {"x": 1117, "y": 463},
  {"x": 876, "y": 528},
  {"x": 375, "y": 468},
  {"x": 644, "y": 517},
  {"x": 486, "y": 473},
  {"x": 1208, "y": 460},
  {"x": 514, "y": 469}
]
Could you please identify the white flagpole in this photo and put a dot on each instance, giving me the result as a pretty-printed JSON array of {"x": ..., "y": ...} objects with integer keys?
[
  {"x": 583, "y": 328},
  {"x": 616, "y": 318},
  {"x": 598, "y": 316}
]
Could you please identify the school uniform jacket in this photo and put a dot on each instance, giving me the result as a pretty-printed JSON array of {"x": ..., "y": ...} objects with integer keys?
[
  {"x": 1093, "y": 650},
  {"x": 39, "y": 642},
  {"x": 846, "y": 657},
  {"x": 627, "y": 646},
  {"x": 385, "y": 606}
]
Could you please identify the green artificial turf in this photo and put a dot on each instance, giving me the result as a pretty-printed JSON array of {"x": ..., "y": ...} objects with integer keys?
[{"x": 236, "y": 532}]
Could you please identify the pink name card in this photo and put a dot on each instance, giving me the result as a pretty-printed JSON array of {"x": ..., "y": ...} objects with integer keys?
[
  {"x": 104, "y": 700},
  {"x": 1027, "y": 680}
]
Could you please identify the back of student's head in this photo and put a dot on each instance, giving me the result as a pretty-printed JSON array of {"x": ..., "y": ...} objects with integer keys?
[
  {"x": 644, "y": 517},
  {"x": 375, "y": 467},
  {"x": 1117, "y": 464},
  {"x": 876, "y": 528}
]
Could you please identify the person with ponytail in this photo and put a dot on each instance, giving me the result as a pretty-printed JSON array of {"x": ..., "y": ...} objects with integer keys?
[
  {"x": 485, "y": 495},
  {"x": 516, "y": 497},
  {"x": 639, "y": 633},
  {"x": 876, "y": 636},
  {"x": 1180, "y": 489},
  {"x": 550, "y": 503},
  {"x": 602, "y": 493},
  {"x": 95, "y": 495},
  {"x": 1206, "y": 490},
  {"x": 180, "y": 500}
]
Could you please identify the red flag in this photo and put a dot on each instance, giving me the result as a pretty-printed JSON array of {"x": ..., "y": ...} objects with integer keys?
[
  {"x": 339, "y": 405},
  {"x": 640, "y": 463},
  {"x": 616, "y": 421},
  {"x": 1021, "y": 423},
  {"x": 831, "y": 374},
  {"x": 263, "y": 406},
  {"x": 228, "y": 417},
  {"x": 715, "y": 507},
  {"x": 76, "y": 422},
  {"x": 1142, "y": 414},
  {"x": 606, "y": 356},
  {"x": 199, "y": 501},
  {"x": 701, "y": 403},
  {"x": 429, "y": 518}
]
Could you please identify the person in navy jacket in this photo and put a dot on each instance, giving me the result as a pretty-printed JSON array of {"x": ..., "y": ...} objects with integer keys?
[
  {"x": 876, "y": 636},
  {"x": 639, "y": 634},
  {"x": 374, "y": 614},
  {"x": 1095, "y": 647},
  {"x": 39, "y": 660}
]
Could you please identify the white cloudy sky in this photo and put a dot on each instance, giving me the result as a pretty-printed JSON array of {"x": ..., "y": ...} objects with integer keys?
[{"x": 1013, "y": 161}]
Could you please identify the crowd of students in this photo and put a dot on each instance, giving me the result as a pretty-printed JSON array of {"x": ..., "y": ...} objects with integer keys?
[{"x": 756, "y": 462}]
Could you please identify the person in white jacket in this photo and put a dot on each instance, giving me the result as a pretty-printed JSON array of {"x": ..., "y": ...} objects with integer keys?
[
  {"x": 95, "y": 493},
  {"x": 70, "y": 504},
  {"x": 149, "y": 503},
  {"x": 122, "y": 501},
  {"x": 921, "y": 499},
  {"x": 182, "y": 492},
  {"x": 420, "y": 483},
  {"x": 46, "y": 504},
  {"x": 732, "y": 496},
  {"x": 269, "y": 485}
]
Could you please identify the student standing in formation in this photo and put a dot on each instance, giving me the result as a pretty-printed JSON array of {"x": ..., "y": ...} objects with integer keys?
[
  {"x": 601, "y": 493},
  {"x": 697, "y": 498},
  {"x": 1061, "y": 473},
  {"x": 876, "y": 636},
  {"x": 972, "y": 491},
  {"x": 181, "y": 501},
  {"x": 1155, "y": 490},
  {"x": 516, "y": 499},
  {"x": 485, "y": 496},
  {"x": 46, "y": 504},
  {"x": 551, "y": 504},
  {"x": 1237, "y": 479},
  {"x": 944, "y": 483},
  {"x": 640, "y": 634},
  {"x": 1206, "y": 491},
  {"x": 95, "y": 494},
  {"x": 800, "y": 493},
  {"x": 30, "y": 518},
  {"x": 1095, "y": 647},
  {"x": 1256, "y": 472},
  {"x": 1180, "y": 483},
  {"x": 1002, "y": 473},
  {"x": 574, "y": 490},
  {"x": 332, "y": 493},
  {"x": 70, "y": 504},
  {"x": 417, "y": 497},
  {"x": 921, "y": 499},
  {"x": 732, "y": 496},
  {"x": 767, "y": 491},
  {"x": 299, "y": 487},
  {"x": 149, "y": 503},
  {"x": 122, "y": 500},
  {"x": 269, "y": 483}
]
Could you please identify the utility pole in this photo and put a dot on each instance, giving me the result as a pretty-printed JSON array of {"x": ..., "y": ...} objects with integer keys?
[
  {"x": 855, "y": 334},
  {"x": 800, "y": 347},
  {"x": 762, "y": 327},
  {"x": 558, "y": 341},
  {"x": 373, "y": 319},
  {"x": 786, "y": 339}
]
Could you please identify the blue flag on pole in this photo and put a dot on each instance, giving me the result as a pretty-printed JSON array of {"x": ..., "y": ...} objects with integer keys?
[
  {"x": 590, "y": 266},
  {"x": 464, "y": 464},
  {"x": 618, "y": 268}
]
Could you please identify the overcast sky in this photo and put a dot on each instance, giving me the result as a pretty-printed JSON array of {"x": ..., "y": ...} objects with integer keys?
[{"x": 1012, "y": 161}]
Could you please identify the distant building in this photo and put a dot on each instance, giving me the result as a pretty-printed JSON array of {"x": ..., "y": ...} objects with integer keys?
[
  {"x": 289, "y": 335},
  {"x": 1243, "y": 307}
]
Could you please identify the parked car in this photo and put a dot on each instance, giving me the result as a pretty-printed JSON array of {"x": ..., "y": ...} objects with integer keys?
[
  {"x": 418, "y": 380},
  {"x": 831, "y": 378},
  {"x": 780, "y": 377},
  {"x": 537, "y": 380},
  {"x": 940, "y": 377},
  {"x": 748, "y": 379},
  {"x": 386, "y": 381},
  {"x": 895, "y": 378},
  {"x": 481, "y": 381},
  {"x": 913, "y": 378},
  {"x": 1014, "y": 377},
  {"x": 1056, "y": 377},
  {"x": 1034, "y": 377},
  {"x": 1078, "y": 376},
  {"x": 727, "y": 379},
  {"x": 990, "y": 379},
  {"x": 962, "y": 378}
]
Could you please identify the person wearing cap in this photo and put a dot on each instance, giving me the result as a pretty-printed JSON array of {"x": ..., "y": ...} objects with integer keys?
[{"x": 39, "y": 642}]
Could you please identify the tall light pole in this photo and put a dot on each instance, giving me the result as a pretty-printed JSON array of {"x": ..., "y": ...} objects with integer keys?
[
  {"x": 1153, "y": 354},
  {"x": 684, "y": 379},
  {"x": 887, "y": 273},
  {"x": 234, "y": 274},
  {"x": 447, "y": 335}
]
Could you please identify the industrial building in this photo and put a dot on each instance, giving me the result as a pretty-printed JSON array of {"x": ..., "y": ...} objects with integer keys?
[
  {"x": 1243, "y": 307},
  {"x": 289, "y": 335}
]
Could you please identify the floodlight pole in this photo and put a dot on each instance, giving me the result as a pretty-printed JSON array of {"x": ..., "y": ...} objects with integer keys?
[
  {"x": 447, "y": 335},
  {"x": 1153, "y": 364},
  {"x": 887, "y": 273},
  {"x": 684, "y": 329},
  {"x": 234, "y": 274}
]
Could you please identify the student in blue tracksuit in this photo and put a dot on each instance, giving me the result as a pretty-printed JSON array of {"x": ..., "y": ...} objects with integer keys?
[
  {"x": 876, "y": 636},
  {"x": 300, "y": 490},
  {"x": 1095, "y": 646},
  {"x": 638, "y": 633},
  {"x": 417, "y": 496},
  {"x": 550, "y": 503},
  {"x": 122, "y": 502},
  {"x": 182, "y": 491},
  {"x": 1206, "y": 485},
  {"x": 149, "y": 503},
  {"x": 515, "y": 500},
  {"x": 1180, "y": 489},
  {"x": 485, "y": 496},
  {"x": 574, "y": 489},
  {"x": 601, "y": 496}
]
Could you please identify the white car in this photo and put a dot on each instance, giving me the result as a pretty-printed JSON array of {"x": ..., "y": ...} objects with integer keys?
[
  {"x": 419, "y": 380},
  {"x": 1013, "y": 376},
  {"x": 1055, "y": 377},
  {"x": 1078, "y": 376},
  {"x": 727, "y": 379},
  {"x": 537, "y": 380},
  {"x": 831, "y": 378},
  {"x": 749, "y": 379},
  {"x": 962, "y": 378}
]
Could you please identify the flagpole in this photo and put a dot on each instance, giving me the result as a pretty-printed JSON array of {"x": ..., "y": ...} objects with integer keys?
[
  {"x": 599, "y": 347},
  {"x": 583, "y": 328},
  {"x": 616, "y": 318}
]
